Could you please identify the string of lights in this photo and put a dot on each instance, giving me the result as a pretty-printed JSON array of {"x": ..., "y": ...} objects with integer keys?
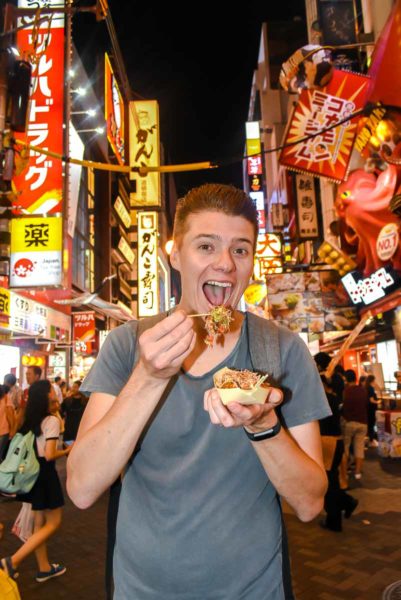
[{"x": 142, "y": 170}]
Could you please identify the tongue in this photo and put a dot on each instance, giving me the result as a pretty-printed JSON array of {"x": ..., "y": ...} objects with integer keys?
[{"x": 214, "y": 294}]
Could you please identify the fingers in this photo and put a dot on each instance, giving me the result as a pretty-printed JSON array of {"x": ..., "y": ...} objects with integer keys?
[
  {"x": 236, "y": 414},
  {"x": 162, "y": 343}
]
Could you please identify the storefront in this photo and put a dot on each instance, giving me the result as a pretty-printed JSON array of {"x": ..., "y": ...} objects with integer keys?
[{"x": 31, "y": 334}]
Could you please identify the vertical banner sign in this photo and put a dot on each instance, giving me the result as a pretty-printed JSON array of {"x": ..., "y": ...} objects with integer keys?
[
  {"x": 36, "y": 252},
  {"x": 259, "y": 201},
  {"x": 84, "y": 331},
  {"x": 114, "y": 112},
  {"x": 40, "y": 184},
  {"x": 4, "y": 305},
  {"x": 148, "y": 291},
  {"x": 268, "y": 255},
  {"x": 252, "y": 130},
  {"x": 145, "y": 151},
  {"x": 328, "y": 154},
  {"x": 306, "y": 207}
]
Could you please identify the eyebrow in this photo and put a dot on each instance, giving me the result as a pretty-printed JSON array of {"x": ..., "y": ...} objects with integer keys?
[{"x": 215, "y": 236}]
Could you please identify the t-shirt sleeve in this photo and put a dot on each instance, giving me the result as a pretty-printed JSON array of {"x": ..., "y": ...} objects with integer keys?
[
  {"x": 51, "y": 428},
  {"x": 304, "y": 396},
  {"x": 113, "y": 366}
]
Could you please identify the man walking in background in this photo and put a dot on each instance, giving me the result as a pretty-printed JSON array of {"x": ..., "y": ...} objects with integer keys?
[{"x": 355, "y": 413}]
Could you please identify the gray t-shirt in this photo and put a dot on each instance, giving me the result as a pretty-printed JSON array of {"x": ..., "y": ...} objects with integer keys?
[{"x": 198, "y": 517}]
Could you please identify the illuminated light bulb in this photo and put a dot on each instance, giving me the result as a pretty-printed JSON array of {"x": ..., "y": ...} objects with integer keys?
[{"x": 169, "y": 246}]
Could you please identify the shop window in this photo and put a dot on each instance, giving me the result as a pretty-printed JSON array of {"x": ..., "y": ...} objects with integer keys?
[{"x": 83, "y": 257}]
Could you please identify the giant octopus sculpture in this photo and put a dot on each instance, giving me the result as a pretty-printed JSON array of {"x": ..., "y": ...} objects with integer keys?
[{"x": 362, "y": 203}]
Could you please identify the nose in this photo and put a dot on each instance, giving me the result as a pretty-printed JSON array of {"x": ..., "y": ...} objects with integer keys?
[{"x": 224, "y": 261}]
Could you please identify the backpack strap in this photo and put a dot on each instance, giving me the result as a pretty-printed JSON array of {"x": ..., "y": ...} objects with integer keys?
[{"x": 264, "y": 346}]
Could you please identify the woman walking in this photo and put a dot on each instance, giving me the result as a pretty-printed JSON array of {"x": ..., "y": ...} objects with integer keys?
[{"x": 46, "y": 496}]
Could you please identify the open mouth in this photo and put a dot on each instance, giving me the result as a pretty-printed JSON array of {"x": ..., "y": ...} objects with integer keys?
[{"x": 217, "y": 292}]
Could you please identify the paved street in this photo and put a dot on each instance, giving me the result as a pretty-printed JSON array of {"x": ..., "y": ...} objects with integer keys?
[{"x": 357, "y": 564}]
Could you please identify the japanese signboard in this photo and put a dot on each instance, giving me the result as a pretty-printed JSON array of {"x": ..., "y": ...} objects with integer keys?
[
  {"x": 306, "y": 207},
  {"x": 148, "y": 300},
  {"x": 40, "y": 184},
  {"x": 114, "y": 112},
  {"x": 268, "y": 257},
  {"x": 253, "y": 145},
  {"x": 311, "y": 302},
  {"x": 4, "y": 305},
  {"x": 255, "y": 165},
  {"x": 259, "y": 201},
  {"x": 32, "y": 318},
  {"x": 327, "y": 154},
  {"x": 84, "y": 331},
  {"x": 126, "y": 251},
  {"x": 36, "y": 252},
  {"x": 365, "y": 290},
  {"x": 144, "y": 151},
  {"x": 122, "y": 212}
]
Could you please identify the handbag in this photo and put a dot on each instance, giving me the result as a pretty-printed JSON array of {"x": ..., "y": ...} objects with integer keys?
[{"x": 23, "y": 525}]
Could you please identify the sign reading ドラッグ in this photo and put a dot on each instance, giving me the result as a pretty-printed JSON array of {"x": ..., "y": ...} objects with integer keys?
[
  {"x": 36, "y": 252},
  {"x": 40, "y": 185}
]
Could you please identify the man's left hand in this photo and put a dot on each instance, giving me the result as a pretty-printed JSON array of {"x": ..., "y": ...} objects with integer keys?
[{"x": 255, "y": 417}]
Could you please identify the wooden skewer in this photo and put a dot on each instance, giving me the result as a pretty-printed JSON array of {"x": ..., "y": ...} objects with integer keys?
[{"x": 200, "y": 315}]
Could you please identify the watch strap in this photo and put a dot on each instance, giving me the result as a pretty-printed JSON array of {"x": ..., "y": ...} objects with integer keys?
[{"x": 264, "y": 435}]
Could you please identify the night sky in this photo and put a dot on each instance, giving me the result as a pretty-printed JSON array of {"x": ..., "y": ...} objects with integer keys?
[{"x": 197, "y": 60}]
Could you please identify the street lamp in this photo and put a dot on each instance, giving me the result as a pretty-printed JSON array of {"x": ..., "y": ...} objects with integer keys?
[
  {"x": 91, "y": 112},
  {"x": 93, "y": 130}
]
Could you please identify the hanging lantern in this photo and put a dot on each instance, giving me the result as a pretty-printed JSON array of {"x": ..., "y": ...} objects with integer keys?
[
  {"x": 309, "y": 67},
  {"x": 386, "y": 139}
]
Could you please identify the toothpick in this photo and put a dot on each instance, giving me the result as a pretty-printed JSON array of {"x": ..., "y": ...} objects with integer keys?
[{"x": 200, "y": 315}]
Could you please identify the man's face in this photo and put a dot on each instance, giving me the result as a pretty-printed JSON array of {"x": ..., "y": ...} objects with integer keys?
[
  {"x": 75, "y": 388},
  {"x": 215, "y": 260},
  {"x": 30, "y": 376}
]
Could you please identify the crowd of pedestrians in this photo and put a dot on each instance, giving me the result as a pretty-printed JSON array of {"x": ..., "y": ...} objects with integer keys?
[{"x": 53, "y": 415}]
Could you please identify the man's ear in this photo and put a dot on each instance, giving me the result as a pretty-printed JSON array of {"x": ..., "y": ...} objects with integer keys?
[{"x": 175, "y": 257}]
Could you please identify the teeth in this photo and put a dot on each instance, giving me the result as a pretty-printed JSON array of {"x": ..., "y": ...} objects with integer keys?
[{"x": 220, "y": 284}]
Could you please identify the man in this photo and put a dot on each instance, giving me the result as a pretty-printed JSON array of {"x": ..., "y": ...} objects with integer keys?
[
  {"x": 32, "y": 374},
  {"x": 57, "y": 389},
  {"x": 198, "y": 514},
  {"x": 355, "y": 413},
  {"x": 15, "y": 392},
  {"x": 72, "y": 410}
]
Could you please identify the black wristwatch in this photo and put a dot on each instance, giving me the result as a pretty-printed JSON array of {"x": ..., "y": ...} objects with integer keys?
[{"x": 264, "y": 435}]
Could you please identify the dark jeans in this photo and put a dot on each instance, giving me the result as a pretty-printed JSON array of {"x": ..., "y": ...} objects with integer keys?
[
  {"x": 336, "y": 500},
  {"x": 371, "y": 423}
]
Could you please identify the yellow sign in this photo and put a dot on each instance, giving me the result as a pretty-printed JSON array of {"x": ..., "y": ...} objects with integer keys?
[
  {"x": 255, "y": 293},
  {"x": 144, "y": 151},
  {"x": 148, "y": 284},
  {"x": 122, "y": 212},
  {"x": 36, "y": 234},
  {"x": 36, "y": 251},
  {"x": 4, "y": 304},
  {"x": 126, "y": 251},
  {"x": 268, "y": 255}
]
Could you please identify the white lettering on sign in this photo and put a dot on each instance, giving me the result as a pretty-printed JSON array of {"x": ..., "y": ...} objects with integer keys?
[
  {"x": 370, "y": 289},
  {"x": 387, "y": 241}
]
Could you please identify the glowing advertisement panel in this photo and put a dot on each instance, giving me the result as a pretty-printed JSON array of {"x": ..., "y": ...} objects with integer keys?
[
  {"x": 114, "y": 112},
  {"x": 36, "y": 252},
  {"x": 40, "y": 184},
  {"x": 144, "y": 151}
]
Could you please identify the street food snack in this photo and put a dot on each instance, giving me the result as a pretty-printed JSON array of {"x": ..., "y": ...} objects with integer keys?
[
  {"x": 217, "y": 322},
  {"x": 245, "y": 387}
]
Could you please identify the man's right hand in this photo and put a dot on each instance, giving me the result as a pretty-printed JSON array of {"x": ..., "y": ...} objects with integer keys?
[{"x": 164, "y": 347}]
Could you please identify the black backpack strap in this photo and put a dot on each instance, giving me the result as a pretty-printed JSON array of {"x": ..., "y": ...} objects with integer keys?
[
  {"x": 138, "y": 327},
  {"x": 264, "y": 346}
]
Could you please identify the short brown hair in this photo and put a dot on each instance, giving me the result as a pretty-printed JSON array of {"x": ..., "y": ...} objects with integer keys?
[{"x": 215, "y": 196}]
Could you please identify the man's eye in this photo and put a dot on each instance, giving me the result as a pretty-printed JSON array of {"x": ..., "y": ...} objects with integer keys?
[
  {"x": 241, "y": 251},
  {"x": 205, "y": 247}
]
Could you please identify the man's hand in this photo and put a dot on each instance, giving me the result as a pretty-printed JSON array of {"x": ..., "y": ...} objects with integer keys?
[
  {"x": 164, "y": 347},
  {"x": 255, "y": 417}
]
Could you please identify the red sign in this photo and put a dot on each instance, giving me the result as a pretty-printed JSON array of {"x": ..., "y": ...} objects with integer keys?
[
  {"x": 255, "y": 165},
  {"x": 113, "y": 111},
  {"x": 328, "y": 154},
  {"x": 40, "y": 184},
  {"x": 84, "y": 326}
]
